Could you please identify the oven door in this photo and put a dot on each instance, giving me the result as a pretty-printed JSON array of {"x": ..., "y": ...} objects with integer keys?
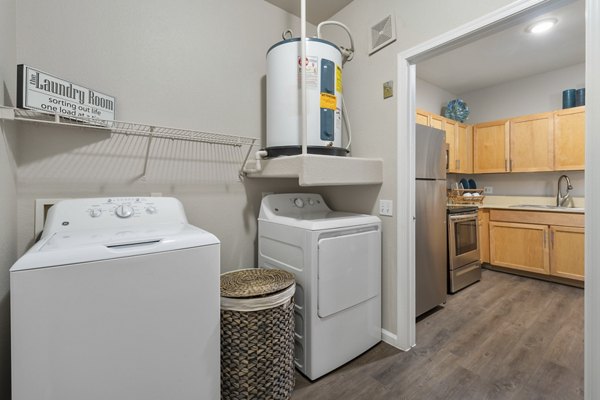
[{"x": 463, "y": 242}]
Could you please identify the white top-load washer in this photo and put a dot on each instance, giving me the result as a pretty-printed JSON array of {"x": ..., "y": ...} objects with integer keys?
[
  {"x": 336, "y": 259},
  {"x": 118, "y": 300}
]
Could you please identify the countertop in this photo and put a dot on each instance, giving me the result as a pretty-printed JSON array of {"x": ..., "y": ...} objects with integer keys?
[{"x": 529, "y": 203}]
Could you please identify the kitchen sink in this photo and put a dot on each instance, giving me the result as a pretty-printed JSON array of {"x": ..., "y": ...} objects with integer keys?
[{"x": 548, "y": 207}]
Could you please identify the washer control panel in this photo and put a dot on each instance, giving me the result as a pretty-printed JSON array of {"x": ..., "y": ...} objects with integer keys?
[
  {"x": 124, "y": 207},
  {"x": 113, "y": 211}
]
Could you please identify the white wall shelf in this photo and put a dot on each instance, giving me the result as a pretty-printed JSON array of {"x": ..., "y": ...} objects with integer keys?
[
  {"x": 131, "y": 129},
  {"x": 320, "y": 170}
]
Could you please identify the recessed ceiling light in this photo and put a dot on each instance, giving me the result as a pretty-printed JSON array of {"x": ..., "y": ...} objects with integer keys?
[{"x": 542, "y": 26}]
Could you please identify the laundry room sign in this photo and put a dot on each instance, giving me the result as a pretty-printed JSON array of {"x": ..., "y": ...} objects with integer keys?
[{"x": 40, "y": 91}]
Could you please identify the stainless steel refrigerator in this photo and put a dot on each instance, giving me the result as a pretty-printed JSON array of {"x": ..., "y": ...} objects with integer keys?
[{"x": 431, "y": 231}]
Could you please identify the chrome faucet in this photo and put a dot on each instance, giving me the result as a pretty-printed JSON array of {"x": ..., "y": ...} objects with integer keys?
[{"x": 560, "y": 199}]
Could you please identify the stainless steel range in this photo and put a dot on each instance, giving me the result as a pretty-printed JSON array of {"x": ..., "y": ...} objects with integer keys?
[{"x": 464, "y": 266}]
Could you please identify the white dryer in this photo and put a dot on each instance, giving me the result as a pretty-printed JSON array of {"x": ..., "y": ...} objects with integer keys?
[
  {"x": 336, "y": 258},
  {"x": 118, "y": 300}
]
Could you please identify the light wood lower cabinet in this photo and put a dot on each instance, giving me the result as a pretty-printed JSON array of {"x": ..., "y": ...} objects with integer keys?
[
  {"x": 483, "y": 218},
  {"x": 535, "y": 243},
  {"x": 520, "y": 246},
  {"x": 567, "y": 252}
]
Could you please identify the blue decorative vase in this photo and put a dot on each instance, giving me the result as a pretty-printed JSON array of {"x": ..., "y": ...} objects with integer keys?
[
  {"x": 580, "y": 97},
  {"x": 457, "y": 110},
  {"x": 569, "y": 98}
]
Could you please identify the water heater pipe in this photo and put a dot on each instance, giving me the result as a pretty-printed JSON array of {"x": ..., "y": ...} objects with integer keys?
[
  {"x": 347, "y": 54},
  {"x": 303, "y": 123},
  {"x": 347, "y": 121},
  {"x": 259, "y": 155}
]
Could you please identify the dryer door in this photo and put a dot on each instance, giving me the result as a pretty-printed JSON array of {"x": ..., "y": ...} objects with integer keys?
[{"x": 349, "y": 270}]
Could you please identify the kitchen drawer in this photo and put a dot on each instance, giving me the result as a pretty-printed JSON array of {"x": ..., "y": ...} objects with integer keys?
[{"x": 538, "y": 217}]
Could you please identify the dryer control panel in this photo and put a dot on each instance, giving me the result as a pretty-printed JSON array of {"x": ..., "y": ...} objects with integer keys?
[
  {"x": 293, "y": 205},
  {"x": 100, "y": 213}
]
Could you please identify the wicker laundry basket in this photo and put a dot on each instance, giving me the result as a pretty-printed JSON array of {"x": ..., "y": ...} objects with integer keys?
[{"x": 257, "y": 334}]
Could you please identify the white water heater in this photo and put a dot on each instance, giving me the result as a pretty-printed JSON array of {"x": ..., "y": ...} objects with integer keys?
[{"x": 323, "y": 98}]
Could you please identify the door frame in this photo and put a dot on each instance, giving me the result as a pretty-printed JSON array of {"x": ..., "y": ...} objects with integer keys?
[{"x": 513, "y": 13}]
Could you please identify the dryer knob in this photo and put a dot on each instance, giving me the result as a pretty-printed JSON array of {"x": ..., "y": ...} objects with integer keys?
[
  {"x": 298, "y": 202},
  {"x": 95, "y": 212},
  {"x": 124, "y": 211}
]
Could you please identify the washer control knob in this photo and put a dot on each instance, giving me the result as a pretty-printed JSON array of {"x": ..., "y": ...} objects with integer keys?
[
  {"x": 311, "y": 202},
  {"x": 151, "y": 210},
  {"x": 124, "y": 211},
  {"x": 95, "y": 212},
  {"x": 298, "y": 202}
]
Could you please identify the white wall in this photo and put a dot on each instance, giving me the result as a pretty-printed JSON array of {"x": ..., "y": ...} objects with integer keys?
[
  {"x": 525, "y": 184},
  {"x": 8, "y": 220},
  {"x": 431, "y": 97},
  {"x": 198, "y": 65},
  {"x": 530, "y": 95},
  {"x": 374, "y": 119}
]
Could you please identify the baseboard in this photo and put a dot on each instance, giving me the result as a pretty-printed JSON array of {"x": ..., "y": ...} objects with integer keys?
[
  {"x": 392, "y": 339},
  {"x": 389, "y": 337}
]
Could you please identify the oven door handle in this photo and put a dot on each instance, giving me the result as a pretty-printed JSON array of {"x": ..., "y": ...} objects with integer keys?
[{"x": 455, "y": 218}]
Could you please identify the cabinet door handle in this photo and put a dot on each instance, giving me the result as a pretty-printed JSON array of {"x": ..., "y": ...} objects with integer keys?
[
  {"x": 552, "y": 239},
  {"x": 545, "y": 245},
  {"x": 510, "y": 167},
  {"x": 506, "y": 164},
  {"x": 457, "y": 164}
]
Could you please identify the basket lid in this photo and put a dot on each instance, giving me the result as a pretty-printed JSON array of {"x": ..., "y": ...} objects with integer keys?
[{"x": 255, "y": 282}]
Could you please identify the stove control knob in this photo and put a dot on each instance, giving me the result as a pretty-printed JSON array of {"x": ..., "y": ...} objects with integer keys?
[
  {"x": 124, "y": 211},
  {"x": 151, "y": 210},
  {"x": 298, "y": 202},
  {"x": 95, "y": 212}
]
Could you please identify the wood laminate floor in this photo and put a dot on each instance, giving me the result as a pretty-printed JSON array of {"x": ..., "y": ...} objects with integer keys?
[{"x": 506, "y": 337}]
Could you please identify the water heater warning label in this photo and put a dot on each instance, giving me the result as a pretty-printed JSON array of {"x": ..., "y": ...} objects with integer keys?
[
  {"x": 328, "y": 101},
  {"x": 312, "y": 71},
  {"x": 338, "y": 79}
]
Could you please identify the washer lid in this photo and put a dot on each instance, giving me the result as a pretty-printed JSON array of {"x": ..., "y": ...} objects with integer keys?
[{"x": 72, "y": 247}]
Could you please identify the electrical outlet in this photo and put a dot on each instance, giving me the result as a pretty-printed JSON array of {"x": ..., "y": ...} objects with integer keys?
[
  {"x": 488, "y": 189},
  {"x": 386, "y": 207}
]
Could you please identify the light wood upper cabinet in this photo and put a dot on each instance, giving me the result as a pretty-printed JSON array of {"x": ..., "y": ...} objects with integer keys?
[
  {"x": 422, "y": 117},
  {"x": 436, "y": 121},
  {"x": 464, "y": 148},
  {"x": 491, "y": 147},
  {"x": 450, "y": 128},
  {"x": 567, "y": 252},
  {"x": 532, "y": 143},
  {"x": 569, "y": 139},
  {"x": 520, "y": 246}
]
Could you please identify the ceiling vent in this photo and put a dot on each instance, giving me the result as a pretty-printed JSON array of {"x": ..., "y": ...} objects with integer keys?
[{"x": 383, "y": 33}]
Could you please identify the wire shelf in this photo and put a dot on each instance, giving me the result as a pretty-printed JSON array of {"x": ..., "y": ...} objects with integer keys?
[
  {"x": 132, "y": 128},
  {"x": 156, "y": 135}
]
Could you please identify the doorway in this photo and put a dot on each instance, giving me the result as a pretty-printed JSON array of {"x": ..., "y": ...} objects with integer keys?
[{"x": 518, "y": 12}]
